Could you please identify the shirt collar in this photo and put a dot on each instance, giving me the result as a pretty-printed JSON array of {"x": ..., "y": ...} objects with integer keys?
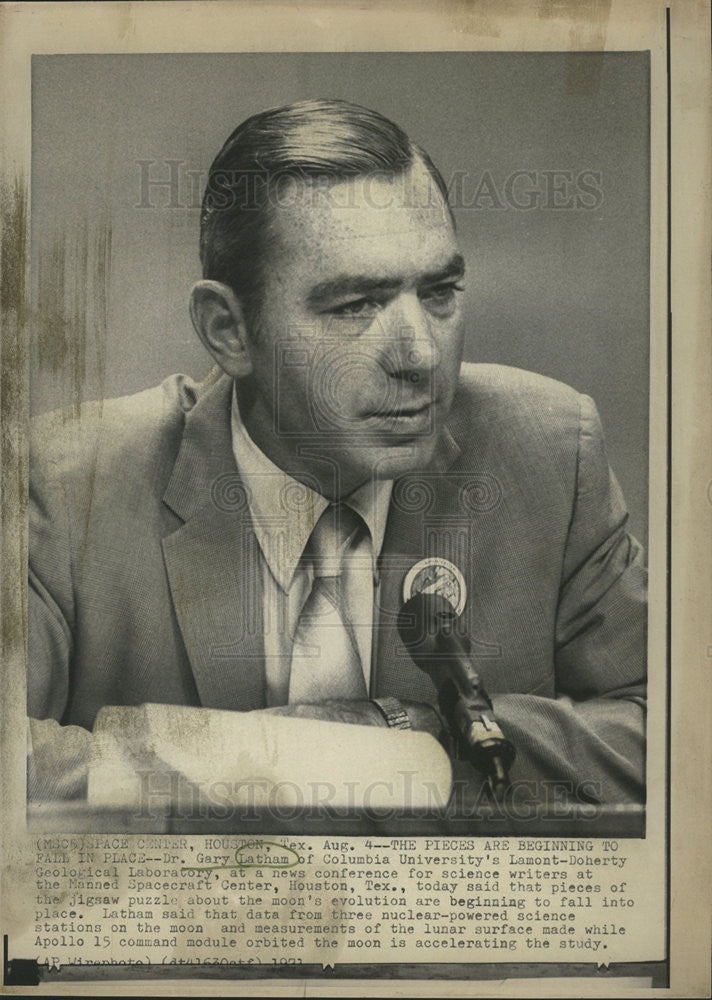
[{"x": 285, "y": 511}]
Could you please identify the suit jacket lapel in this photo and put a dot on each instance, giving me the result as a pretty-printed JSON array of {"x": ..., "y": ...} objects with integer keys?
[
  {"x": 427, "y": 518},
  {"x": 213, "y": 560}
]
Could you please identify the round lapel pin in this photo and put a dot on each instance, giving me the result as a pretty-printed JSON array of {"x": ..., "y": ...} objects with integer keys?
[{"x": 437, "y": 576}]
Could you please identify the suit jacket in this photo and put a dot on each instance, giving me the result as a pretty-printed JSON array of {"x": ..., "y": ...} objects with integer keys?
[{"x": 145, "y": 586}]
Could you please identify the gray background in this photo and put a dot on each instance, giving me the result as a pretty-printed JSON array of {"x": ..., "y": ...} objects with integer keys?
[{"x": 562, "y": 291}]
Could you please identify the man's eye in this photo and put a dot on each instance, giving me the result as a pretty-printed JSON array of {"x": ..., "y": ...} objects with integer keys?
[
  {"x": 442, "y": 293},
  {"x": 441, "y": 300},
  {"x": 358, "y": 307}
]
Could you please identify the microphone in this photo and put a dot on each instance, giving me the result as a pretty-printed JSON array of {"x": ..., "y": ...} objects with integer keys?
[{"x": 426, "y": 624}]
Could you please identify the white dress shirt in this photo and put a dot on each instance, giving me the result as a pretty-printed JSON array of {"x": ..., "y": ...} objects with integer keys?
[{"x": 284, "y": 513}]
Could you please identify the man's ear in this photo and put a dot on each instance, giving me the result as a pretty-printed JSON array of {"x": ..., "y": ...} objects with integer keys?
[{"x": 220, "y": 323}]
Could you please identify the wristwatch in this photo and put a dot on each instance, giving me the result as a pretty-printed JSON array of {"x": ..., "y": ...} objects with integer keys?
[{"x": 393, "y": 712}]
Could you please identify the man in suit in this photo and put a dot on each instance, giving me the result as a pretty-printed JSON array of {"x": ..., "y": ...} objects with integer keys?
[{"x": 176, "y": 548}]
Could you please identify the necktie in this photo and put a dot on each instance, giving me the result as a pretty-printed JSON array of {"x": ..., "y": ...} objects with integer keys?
[{"x": 325, "y": 658}]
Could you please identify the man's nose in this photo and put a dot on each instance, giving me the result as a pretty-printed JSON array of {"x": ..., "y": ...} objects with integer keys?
[{"x": 411, "y": 352}]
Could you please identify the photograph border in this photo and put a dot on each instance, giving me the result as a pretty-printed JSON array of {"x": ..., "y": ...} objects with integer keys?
[{"x": 688, "y": 965}]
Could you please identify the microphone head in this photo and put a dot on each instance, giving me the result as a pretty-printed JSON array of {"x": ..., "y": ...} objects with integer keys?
[{"x": 422, "y": 620}]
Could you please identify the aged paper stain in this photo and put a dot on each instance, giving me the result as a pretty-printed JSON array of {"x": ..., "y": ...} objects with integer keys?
[{"x": 71, "y": 320}]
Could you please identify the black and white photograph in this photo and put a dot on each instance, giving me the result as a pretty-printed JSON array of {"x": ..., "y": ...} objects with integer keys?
[{"x": 320, "y": 476}]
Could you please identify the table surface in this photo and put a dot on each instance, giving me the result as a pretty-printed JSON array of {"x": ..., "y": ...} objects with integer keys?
[{"x": 625, "y": 820}]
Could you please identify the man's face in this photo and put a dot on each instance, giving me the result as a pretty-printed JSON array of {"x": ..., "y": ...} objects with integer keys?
[{"x": 357, "y": 354}]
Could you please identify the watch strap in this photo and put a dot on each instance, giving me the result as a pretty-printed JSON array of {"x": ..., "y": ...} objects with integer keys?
[{"x": 393, "y": 712}]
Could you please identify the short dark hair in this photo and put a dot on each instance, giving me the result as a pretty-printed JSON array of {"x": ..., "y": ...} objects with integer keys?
[{"x": 327, "y": 140}]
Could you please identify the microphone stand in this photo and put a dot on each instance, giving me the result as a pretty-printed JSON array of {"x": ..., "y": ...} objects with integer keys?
[{"x": 426, "y": 624}]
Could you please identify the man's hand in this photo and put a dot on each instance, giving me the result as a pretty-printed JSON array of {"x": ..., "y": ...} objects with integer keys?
[{"x": 424, "y": 718}]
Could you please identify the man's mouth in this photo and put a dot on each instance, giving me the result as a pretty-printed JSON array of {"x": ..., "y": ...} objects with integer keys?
[
  {"x": 415, "y": 418},
  {"x": 404, "y": 412}
]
